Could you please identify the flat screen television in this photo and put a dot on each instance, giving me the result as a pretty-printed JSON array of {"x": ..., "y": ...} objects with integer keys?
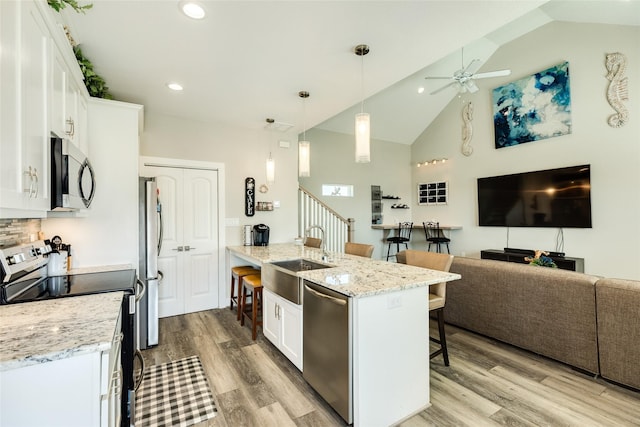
[{"x": 548, "y": 198}]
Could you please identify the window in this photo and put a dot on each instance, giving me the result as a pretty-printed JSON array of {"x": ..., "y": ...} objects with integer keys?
[{"x": 337, "y": 190}]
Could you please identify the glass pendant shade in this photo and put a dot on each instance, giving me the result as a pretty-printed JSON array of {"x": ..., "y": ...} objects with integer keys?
[
  {"x": 271, "y": 170},
  {"x": 304, "y": 158},
  {"x": 362, "y": 138}
]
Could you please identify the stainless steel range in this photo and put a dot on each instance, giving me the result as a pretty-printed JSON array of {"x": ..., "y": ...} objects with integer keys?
[{"x": 23, "y": 278}]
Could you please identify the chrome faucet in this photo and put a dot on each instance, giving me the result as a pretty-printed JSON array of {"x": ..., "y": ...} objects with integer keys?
[{"x": 325, "y": 254}]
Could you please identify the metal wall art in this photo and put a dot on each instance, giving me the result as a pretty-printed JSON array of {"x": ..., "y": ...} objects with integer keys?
[
  {"x": 617, "y": 91},
  {"x": 467, "y": 128},
  {"x": 533, "y": 108}
]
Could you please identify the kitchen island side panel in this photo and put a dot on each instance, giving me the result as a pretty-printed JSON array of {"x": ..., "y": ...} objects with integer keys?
[{"x": 390, "y": 356}]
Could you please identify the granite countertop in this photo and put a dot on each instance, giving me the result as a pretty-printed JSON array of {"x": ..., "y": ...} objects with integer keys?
[
  {"x": 349, "y": 275},
  {"x": 43, "y": 331}
]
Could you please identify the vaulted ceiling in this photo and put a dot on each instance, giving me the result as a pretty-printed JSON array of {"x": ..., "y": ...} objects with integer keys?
[{"x": 247, "y": 60}]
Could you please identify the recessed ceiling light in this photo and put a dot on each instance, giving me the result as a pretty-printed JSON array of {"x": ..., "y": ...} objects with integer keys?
[
  {"x": 174, "y": 86},
  {"x": 420, "y": 89},
  {"x": 192, "y": 9}
]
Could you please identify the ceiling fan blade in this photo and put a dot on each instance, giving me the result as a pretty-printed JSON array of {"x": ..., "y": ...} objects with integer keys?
[
  {"x": 488, "y": 74},
  {"x": 438, "y": 77},
  {"x": 443, "y": 87},
  {"x": 472, "y": 67}
]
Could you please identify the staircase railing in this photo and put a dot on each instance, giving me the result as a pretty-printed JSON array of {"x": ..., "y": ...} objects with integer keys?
[{"x": 312, "y": 211}]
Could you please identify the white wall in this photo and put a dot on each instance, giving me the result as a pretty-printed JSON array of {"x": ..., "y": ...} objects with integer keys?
[
  {"x": 333, "y": 162},
  {"x": 244, "y": 153},
  {"x": 108, "y": 232},
  {"x": 612, "y": 246}
]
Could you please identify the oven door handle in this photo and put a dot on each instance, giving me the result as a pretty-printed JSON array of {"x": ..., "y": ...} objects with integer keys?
[
  {"x": 142, "y": 292},
  {"x": 138, "y": 355}
]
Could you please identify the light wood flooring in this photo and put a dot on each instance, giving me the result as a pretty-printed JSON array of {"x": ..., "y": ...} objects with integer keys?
[{"x": 487, "y": 384}]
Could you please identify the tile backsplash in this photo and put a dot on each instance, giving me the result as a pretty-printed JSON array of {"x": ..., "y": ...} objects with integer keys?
[{"x": 16, "y": 231}]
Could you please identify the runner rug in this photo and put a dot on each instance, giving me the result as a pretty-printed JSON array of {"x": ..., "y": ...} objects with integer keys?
[{"x": 174, "y": 394}]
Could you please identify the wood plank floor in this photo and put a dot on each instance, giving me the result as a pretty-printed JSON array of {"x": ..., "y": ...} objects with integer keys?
[{"x": 487, "y": 384}]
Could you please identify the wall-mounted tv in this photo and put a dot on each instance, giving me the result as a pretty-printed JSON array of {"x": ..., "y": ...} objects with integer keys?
[{"x": 549, "y": 198}]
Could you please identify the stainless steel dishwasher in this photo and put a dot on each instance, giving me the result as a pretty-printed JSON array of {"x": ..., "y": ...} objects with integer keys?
[{"x": 327, "y": 355}]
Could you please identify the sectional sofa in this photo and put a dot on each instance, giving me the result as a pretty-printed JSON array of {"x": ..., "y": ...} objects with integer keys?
[{"x": 585, "y": 321}]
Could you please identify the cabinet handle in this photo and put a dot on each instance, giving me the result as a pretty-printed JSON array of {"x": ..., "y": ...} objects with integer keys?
[
  {"x": 32, "y": 174},
  {"x": 179, "y": 249},
  {"x": 71, "y": 125},
  {"x": 34, "y": 179},
  {"x": 189, "y": 248}
]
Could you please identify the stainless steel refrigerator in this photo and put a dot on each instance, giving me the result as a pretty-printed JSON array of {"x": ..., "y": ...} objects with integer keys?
[{"x": 150, "y": 245}]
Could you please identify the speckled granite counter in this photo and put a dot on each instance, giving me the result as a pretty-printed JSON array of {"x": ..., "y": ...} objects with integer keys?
[
  {"x": 349, "y": 275},
  {"x": 42, "y": 331}
]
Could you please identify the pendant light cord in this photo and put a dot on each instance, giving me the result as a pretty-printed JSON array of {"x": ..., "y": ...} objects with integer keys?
[
  {"x": 304, "y": 119},
  {"x": 362, "y": 83}
]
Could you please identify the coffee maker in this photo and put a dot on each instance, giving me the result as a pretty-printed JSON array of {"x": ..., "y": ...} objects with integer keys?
[{"x": 260, "y": 235}]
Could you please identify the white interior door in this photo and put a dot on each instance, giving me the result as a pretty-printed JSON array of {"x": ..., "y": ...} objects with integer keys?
[
  {"x": 188, "y": 259},
  {"x": 200, "y": 237}
]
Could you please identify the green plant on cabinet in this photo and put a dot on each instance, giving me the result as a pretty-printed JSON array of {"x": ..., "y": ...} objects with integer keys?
[{"x": 58, "y": 5}]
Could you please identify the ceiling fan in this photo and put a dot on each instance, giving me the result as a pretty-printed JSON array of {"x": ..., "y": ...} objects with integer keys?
[{"x": 465, "y": 76}]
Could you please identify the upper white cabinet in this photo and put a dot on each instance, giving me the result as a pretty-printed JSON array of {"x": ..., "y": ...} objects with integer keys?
[
  {"x": 24, "y": 122},
  {"x": 42, "y": 93},
  {"x": 69, "y": 101}
]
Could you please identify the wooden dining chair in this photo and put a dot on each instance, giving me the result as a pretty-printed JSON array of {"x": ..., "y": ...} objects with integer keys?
[
  {"x": 437, "y": 292},
  {"x": 360, "y": 249}
]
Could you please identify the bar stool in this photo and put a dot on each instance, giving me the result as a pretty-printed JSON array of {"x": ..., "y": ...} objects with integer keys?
[
  {"x": 252, "y": 283},
  {"x": 237, "y": 273},
  {"x": 402, "y": 237},
  {"x": 437, "y": 292}
]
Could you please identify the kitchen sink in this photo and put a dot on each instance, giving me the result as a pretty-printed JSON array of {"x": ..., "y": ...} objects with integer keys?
[
  {"x": 280, "y": 277},
  {"x": 300, "y": 264}
]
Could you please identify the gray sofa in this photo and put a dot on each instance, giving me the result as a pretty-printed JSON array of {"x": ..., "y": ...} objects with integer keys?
[
  {"x": 582, "y": 320},
  {"x": 618, "y": 312}
]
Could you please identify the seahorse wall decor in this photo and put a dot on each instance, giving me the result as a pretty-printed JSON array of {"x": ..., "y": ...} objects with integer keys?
[
  {"x": 617, "y": 91},
  {"x": 467, "y": 129}
]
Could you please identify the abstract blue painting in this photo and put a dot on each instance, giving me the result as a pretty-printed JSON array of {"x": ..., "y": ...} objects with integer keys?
[{"x": 533, "y": 108}]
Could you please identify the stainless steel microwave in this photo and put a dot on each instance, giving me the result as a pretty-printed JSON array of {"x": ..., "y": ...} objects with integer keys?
[{"x": 73, "y": 182}]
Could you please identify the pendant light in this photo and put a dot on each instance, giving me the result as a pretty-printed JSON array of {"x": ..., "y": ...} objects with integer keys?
[
  {"x": 362, "y": 131},
  {"x": 271, "y": 164},
  {"x": 304, "y": 147}
]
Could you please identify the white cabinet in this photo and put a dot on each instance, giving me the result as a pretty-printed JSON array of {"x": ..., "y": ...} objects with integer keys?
[
  {"x": 282, "y": 325},
  {"x": 24, "y": 111},
  {"x": 77, "y": 391},
  {"x": 69, "y": 102},
  {"x": 42, "y": 92}
]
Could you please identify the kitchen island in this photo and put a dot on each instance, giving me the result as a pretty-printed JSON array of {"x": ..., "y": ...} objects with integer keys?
[
  {"x": 59, "y": 357},
  {"x": 388, "y": 326}
]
